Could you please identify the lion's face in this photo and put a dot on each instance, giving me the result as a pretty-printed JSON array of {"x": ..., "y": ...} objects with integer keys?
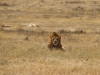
[{"x": 55, "y": 40}]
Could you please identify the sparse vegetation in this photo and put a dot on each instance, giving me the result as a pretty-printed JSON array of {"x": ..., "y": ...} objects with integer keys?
[
  {"x": 23, "y": 49},
  {"x": 18, "y": 56}
]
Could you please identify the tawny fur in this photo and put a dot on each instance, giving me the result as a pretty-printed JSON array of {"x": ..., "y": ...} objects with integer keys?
[{"x": 51, "y": 45}]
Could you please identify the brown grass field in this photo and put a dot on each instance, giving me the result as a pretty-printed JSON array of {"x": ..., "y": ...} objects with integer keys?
[{"x": 23, "y": 49}]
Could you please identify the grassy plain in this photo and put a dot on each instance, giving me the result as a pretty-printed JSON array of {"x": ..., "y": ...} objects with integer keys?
[{"x": 23, "y": 49}]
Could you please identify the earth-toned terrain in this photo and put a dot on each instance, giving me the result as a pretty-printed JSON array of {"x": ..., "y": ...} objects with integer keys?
[{"x": 25, "y": 28}]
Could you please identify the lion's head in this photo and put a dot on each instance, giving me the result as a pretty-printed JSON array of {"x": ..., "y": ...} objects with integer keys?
[{"x": 55, "y": 41}]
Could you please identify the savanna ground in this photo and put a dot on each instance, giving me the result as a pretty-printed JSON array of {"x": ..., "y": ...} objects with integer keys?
[{"x": 23, "y": 49}]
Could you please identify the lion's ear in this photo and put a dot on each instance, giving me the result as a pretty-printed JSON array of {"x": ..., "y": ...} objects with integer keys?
[
  {"x": 50, "y": 36},
  {"x": 60, "y": 37}
]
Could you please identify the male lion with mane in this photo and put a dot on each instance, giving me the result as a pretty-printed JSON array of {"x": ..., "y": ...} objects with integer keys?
[{"x": 55, "y": 41}]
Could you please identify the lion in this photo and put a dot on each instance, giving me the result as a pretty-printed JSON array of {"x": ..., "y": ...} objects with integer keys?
[{"x": 55, "y": 41}]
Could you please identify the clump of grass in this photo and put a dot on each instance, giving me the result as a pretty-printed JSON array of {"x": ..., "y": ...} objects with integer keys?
[
  {"x": 75, "y": 32},
  {"x": 4, "y": 4},
  {"x": 80, "y": 31}
]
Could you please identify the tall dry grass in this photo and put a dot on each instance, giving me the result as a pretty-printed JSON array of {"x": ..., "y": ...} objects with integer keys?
[
  {"x": 24, "y": 51},
  {"x": 32, "y": 57}
]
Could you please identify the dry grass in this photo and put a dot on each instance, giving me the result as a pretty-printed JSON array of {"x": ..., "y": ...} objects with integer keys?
[
  {"x": 23, "y": 49},
  {"x": 22, "y": 57}
]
